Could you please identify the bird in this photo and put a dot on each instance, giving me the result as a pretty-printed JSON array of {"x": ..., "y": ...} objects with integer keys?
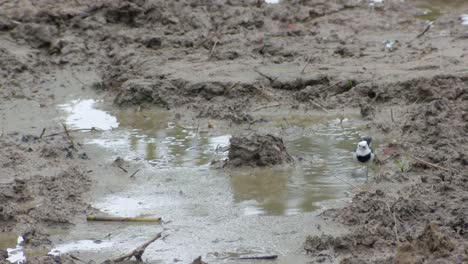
[{"x": 364, "y": 154}]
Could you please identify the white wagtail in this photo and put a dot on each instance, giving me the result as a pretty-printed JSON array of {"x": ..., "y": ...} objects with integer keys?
[{"x": 363, "y": 153}]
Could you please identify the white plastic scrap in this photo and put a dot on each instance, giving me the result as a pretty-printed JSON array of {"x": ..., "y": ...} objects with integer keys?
[
  {"x": 464, "y": 19},
  {"x": 391, "y": 45},
  {"x": 16, "y": 255},
  {"x": 374, "y": 2}
]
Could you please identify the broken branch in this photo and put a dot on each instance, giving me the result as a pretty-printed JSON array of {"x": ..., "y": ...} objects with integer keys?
[
  {"x": 73, "y": 130},
  {"x": 232, "y": 87},
  {"x": 68, "y": 135},
  {"x": 259, "y": 257},
  {"x": 124, "y": 170},
  {"x": 395, "y": 223},
  {"x": 213, "y": 48},
  {"x": 123, "y": 219},
  {"x": 306, "y": 63},
  {"x": 348, "y": 183},
  {"x": 431, "y": 164},
  {"x": 138, "y": 252},
  {"x": 133, "y": 174},
  {"x": 42, "y": 133}
]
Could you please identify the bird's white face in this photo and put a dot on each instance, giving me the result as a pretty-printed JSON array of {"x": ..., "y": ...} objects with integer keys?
[
  {"x": 362, "y": 145},
  {"x": 362, "y": 148}
]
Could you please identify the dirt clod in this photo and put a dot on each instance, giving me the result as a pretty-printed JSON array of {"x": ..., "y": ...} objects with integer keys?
[
  {"x": 257, "y": 150},
  {"x": 431, "y": 246}
]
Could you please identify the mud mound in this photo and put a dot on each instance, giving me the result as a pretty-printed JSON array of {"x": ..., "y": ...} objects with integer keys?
[
  {"x": 30, "y": 203},
  {"x": 48, "y": 194},
  {"x": 420, "y": 89},
  {"x": 257, "y": 150},
  {"x": 379, "y": 222},
  {"x": 431, "y": 247},
  {"x": 437, "y": 131}
]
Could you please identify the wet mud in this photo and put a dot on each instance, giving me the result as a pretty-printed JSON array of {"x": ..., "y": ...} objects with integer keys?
[
  {"x": 257, "y": 150},
  {"x": 167, "y": 86}
]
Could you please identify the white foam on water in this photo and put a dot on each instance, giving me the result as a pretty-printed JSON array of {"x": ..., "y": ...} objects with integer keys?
[
  {"x": 16, "y": 255},
  {"x": 83, "y": 114},
  {"x": 80, "y": 245}
]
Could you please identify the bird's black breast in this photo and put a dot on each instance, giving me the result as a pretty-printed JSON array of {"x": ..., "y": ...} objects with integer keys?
[{"x": 365, "y": 158}]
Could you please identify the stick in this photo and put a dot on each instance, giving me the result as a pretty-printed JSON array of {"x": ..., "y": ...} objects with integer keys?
[
  {"x": 259, "y": 257},
  {"x": 213, "y": 48},
  {"x": 318, "y": 105},
  {"x": 307, "y": 63},
  {"x": 73, "y": 130},
  {"x": 429, "y": 26},
  {"x": 338, "y": 82},
  {"x": 120, "y": 167},
  {"x": 232, "y": 87},
  {"x": 347, "y": 183},
  {"x": 271, "y": 79},
  {"x": 266, "y": 106},
  {"x": 205, "y": 40},
  {"x": 395, "y": 223},
  {"x": 42, "y": 133},
  {"x": 133, "y": 174},
  {"x": 431, "y": 164},
  {"x": 122, "y": 219},
  {"x": 68, "y": 135},
  {"x": 391, "y": 115},
  {"x": 138, "y": 252}
]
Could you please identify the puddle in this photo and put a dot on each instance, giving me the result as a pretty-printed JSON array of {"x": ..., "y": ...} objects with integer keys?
[
  {"x": 212, "y": 210},
  {"x": 82, "y": 114},
  {"x": 436, "y": 8},
  {"x": 80, "y": 245},
  {"x": 8, "y": 240}
]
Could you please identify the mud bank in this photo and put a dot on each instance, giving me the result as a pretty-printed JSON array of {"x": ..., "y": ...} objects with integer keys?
[
  {"x": 244, "y": 66},
  {"x": 43, "y": 180}
]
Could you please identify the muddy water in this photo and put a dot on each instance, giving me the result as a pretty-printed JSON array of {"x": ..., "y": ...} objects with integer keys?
[
  {"x": 210, "y": 212},
  {"x": 436, "y": 8}
]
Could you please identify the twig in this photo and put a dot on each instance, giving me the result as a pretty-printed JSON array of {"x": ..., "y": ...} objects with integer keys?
[
  {"x": 138, "y": 252},
  {"x": 271, "y": 79},
  {"x": 395, "y": 223},
  {"x": 432, "y": 164},
  {"x": 73, "y": 130},
  {"x": 334, "y": 84},
  {"x": 306, "y": 63},
  {"x": 76, "y": 258},
  {"x": 429, "y": 26},
  {"x": 122, "y": 219},
  {"x": 391, "y": 115},
  {"x": 76, "y": 78},
  {"x": 259, "y": 257},
  {"x": 120, "y": 167},
  {"x": 213, "y": 48},
  {"x": 68, "y": 135},
  {"x": 347, "y": 183},
  {"x": 204, "y": 41},
  {"x": 42, "y": 133},
  {"x": 133, "y": 174},
  {"x": 232, "y": 87},
  {"x": 266, "y": 106},
  {"x": 318, "y": 105}
]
